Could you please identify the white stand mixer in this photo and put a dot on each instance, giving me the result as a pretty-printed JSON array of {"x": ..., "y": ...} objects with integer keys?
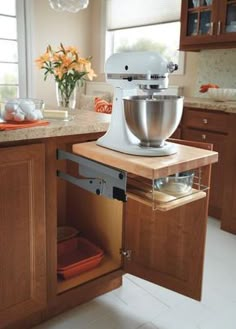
[{"x": 128, "y": 73}]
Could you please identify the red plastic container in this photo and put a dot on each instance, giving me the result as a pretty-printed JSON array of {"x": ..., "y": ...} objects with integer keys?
[{"x": 77, "y": 255}]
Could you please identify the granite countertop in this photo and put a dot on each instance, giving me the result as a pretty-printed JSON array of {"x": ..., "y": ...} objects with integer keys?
[
  {"x": 209, "y": 104},
  {"x": 84, "y": 122}
]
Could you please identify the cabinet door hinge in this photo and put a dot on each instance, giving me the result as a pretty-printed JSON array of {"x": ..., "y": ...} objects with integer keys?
[{"x": 126, "y": 253}]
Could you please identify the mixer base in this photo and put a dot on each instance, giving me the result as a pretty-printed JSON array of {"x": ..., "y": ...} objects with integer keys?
[{"x": 136, "y": 149}]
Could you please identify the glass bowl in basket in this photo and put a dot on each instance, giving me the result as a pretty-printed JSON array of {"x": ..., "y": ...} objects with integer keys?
[{"x": 178, "y": 184}]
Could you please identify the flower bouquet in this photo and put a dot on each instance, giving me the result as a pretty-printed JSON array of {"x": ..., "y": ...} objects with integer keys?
[{"x": 68, "y": 69}]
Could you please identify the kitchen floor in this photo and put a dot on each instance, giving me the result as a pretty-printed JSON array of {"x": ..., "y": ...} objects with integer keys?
[{"x": 143, "y": 305}]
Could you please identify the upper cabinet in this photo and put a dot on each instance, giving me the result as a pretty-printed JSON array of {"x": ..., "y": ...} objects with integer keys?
[{"x": 208, "y": 24}]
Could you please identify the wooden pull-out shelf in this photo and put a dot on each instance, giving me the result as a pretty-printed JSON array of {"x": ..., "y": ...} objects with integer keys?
[
  {"x": 146, "y": 169},
  {"x": 186, "y": 158}
]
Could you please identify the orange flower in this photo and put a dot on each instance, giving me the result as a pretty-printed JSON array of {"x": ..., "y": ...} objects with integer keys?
[
  {"x": 56, "y": 57},
  {"x": 65, "y": 64},
  {"x": 59, "y": 72},
  {"x": 67, "y": 68},
  {"x": 91, "y": 74},
  {"x": 72, "y": 50},
  {"x": 40, "y": 61}
]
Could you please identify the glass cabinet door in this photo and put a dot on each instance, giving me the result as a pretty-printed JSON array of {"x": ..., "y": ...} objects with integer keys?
[
  {"x": 199, "y": 17},
  {"x": 208, "y": 24},
  {"x": 230, "y": 20}
]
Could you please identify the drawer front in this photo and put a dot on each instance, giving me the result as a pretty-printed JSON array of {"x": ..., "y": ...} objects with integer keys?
[
  {"x": 204, "y": 136},
  {"x": 206, "y": 120}
]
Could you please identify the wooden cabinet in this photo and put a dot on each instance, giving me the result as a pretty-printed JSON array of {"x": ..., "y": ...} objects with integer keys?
[
  {"x": 208, "y": 24},
  {"x": 210, "y": 127},
  {"x": 177, "y": 133},
  {"x": 217, "y": 128},
  {"x": 98, "y": 219},
  {"x": 22, "y": 233},
  {"x": 218, "y": 171},
  {"x": 167, "y": 247},
  {"x": 157, "y": 245},
  {"x": 228, "y": 220}
]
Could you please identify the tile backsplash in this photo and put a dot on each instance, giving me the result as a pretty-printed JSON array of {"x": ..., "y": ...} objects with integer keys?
[{"x": 216, "y": 66}]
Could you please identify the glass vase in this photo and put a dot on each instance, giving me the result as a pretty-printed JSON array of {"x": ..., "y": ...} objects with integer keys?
[{"x": 66, "y": 96}]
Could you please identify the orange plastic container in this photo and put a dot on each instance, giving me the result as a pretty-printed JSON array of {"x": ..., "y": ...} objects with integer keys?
[{"x": 77, "y": 255}]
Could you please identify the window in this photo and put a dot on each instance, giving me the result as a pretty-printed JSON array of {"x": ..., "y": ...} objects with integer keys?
[
  {"x": 13, "y": 72},
  {"x": 153, "y": 25}
]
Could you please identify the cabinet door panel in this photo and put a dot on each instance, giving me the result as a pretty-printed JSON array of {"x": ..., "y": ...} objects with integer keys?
[
  {"x": 227, "y": 19},
  {"x": 197, "y": 25},
  {"x": 228, "y": 221},
  {"x": 219, "y": 142},
  {"x": 22, "y": 232},
  {"x": 208, "y": 25},
  {"x": 177, "y": 133},
  {"x": 167, "y": 248}
]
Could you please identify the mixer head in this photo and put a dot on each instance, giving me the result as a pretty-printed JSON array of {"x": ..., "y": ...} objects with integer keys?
[{"x": 146, "y": 70}]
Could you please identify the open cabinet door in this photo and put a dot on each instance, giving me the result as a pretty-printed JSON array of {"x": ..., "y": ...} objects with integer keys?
[{"x": 167, "y": 248}]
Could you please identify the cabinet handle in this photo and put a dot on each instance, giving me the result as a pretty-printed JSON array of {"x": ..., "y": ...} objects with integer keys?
[
  {"x": 203, "y": 136},
  {"x": 218, "y": 27},
  {"x": 211, "y": 28},
  {"x": 205, "y": 121}
]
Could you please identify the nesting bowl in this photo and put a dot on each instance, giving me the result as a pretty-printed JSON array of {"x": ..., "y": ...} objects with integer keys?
[
  {"x": 222, "y": 94},
  {"x": 177, "y": 185},
  {"x": 23, "y": 109},
  {"x": 153, "y": 119},
  {"x": 38, "y": 104}
]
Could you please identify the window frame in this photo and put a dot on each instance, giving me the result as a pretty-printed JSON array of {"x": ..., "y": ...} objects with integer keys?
[
  {"x": 23, "y": 17},
  {"x": 109, "y": 47},
  {"x": 109, "y": 44}
]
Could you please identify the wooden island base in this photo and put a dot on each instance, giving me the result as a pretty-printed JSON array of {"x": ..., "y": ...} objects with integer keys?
[{"x": 164, "y": 247}]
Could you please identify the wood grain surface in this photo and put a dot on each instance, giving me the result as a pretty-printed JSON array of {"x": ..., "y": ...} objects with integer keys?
[{"x": 187, "y": 157}]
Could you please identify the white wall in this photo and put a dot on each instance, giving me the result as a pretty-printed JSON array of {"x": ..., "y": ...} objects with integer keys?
[
  {"x": 217, "y": 66},
  {"x": 86, "y": 31},
  {"x": 51, "y": 27},
  {"x": 188, "y": 79}
]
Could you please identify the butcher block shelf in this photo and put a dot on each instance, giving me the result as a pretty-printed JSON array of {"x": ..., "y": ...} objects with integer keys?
[
  {"x": 142, "y": 171},
  {"x": 186, "y": 158}
]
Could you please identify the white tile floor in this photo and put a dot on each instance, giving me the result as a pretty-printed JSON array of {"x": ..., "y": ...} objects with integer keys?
[{"x": 143, "y": 305}]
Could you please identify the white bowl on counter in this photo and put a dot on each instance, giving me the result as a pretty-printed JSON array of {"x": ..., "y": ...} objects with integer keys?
[{"x": 222, "y": 94}]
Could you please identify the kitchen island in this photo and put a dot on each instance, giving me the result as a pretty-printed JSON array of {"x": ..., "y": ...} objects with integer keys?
[
  {"x": 83, "y": 122},
  {"x": 80, "y": 122},
  {"x": 163, "y": 246}
]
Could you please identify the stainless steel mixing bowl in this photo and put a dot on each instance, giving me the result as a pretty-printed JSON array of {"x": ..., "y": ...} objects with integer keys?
[{"x": 152, "y": 119}]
